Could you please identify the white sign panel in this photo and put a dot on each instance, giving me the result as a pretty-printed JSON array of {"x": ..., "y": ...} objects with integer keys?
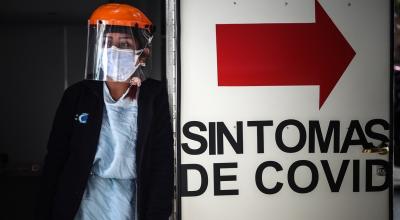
[{"x": 279, "y": 100}]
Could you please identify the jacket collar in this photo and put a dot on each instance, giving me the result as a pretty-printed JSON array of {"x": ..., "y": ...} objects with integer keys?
[{"x": 96, "y": 87}]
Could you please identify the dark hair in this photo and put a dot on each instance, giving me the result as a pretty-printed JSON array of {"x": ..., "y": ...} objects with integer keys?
[{"x": 132, "y": 93}]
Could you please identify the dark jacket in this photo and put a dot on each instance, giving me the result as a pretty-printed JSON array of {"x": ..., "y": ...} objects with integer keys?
[{"x": 72, "y": 146}]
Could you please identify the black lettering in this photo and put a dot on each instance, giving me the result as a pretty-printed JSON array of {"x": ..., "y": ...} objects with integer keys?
[
  {"x": 211, "y": 138},
  {"x": 335, "y": 185},
  {"x": 362, "y": 140},
  {"x": 259, "y": 182},
  {"x": 260, "y": 132},
  {"x": 356, "y": 175},
  {"x": 314, "y": 176},
  {"x": 374, "y": 135},
  {"x": 184, "y": 180},
  {"x": 279, "y": 137},
  {"x": 333, "y": 130},
  {"x": 222, "y": 131},
  {"x": 194, "y": 137},
  {"x": 369, "y": 187},
  {"x": 218, "y": 179}
]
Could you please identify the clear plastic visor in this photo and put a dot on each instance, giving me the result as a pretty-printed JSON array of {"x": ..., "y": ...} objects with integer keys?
[{"x": 116, "y": 53}]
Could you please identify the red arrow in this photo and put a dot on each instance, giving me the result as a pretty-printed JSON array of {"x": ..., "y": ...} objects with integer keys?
[{"x": 279, "y": 54}]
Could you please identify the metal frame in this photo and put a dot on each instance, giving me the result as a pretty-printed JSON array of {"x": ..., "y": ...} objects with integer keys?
[
  {"x": 391, "y": 114},
  {"x": 173, "y": 84}
]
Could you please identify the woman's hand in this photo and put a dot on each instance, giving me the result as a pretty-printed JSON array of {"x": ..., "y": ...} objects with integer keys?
[{"x": 135, "y": 81}]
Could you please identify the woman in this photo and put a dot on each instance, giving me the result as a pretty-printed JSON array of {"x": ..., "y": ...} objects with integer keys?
[{"x": 110, "y": 152}]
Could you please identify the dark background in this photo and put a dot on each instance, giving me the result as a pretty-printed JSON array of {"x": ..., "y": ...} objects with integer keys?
[{"x": 43, "y": 46}]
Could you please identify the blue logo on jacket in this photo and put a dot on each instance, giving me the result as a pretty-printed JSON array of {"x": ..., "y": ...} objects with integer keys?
[{"x": 82, "y": 118}]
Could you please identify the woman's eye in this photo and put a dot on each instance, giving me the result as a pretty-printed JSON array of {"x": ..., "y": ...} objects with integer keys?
[{"x": 123, "y": 45}]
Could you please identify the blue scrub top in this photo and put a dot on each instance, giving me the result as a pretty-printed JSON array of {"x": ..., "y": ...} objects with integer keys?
[{"x": 110, "y": 193}]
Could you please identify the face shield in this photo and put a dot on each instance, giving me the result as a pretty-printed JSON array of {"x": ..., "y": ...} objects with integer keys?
[{"x": 116, "y": 52}]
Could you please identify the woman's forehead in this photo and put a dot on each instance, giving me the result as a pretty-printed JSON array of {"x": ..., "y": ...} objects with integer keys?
[{"x": 119, "y": 35}]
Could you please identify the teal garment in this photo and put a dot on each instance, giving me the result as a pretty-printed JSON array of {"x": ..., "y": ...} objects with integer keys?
[{"x": 110, "y": 193}]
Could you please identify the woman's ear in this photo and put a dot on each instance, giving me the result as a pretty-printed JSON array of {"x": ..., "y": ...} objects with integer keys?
[{"x": 145, "y": 54}]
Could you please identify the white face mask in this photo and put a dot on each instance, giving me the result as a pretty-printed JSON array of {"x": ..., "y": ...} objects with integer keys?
[{"x": 120, "y": 64}]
